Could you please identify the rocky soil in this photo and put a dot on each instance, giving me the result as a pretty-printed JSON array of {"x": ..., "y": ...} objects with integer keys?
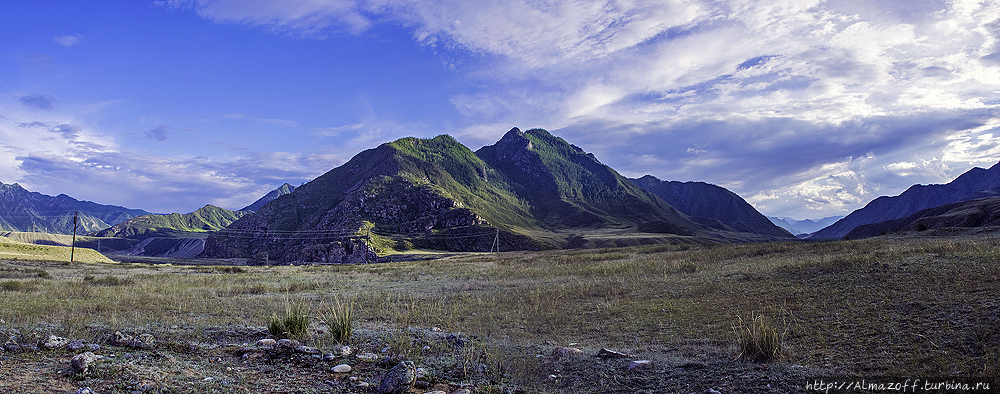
[{"x": 240, "y": 359}]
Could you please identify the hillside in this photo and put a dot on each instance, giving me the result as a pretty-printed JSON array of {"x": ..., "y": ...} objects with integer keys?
[
  {"x": 11, "y": 249},
  {"x": 532, "y": 187},
  {"x": 196, "y": 224},
  {"x": 712, "y": 205},
  {"x": 973, "y": 213},
  {"x": 23, "y": 210},
  {"x": 975, "y": 183}
]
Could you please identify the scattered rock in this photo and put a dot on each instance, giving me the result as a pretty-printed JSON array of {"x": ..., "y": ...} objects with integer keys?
[
  {"x": 75, "y": 345},
  {"x": 422, "y": 384},
  {"x": 455, "y": 340},
  {"x": 462, "y": 391},
  {"x": 128, "y": 356},
  {"x": 53, "y": 342},
  {"x": 343, "y": 350},
  {"x": 288, "y": 343},
  {"x": 364, "y": 385},
  {"x": 639, "y": 364},
  {"x": 12, "y": 347},
  {"x": 81, "y": 362},
  {"x": 84, "y": 390},
  {"x": 306, "y": 349},
  {"x": 606, "y": 354},
  {"x": 435, "y": 329},
  {"x": 561, "y": 352},
  {"x": 342, "y": 368},
  {"x": 268, "y": 342},
  {"x": 93, "y": 347},
  {"x": 436, "y": 392},
  {"x": 712, "y": 391},
  {"x": 399, "y": 379},
  {"x": 143, "y": 341},
  {"x": 146, "y": 341},
  {"x": 368, "y": 357},
  {"x": 329, "y": 357}
]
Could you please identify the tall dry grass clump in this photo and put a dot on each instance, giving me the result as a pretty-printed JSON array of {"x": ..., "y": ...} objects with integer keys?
[
  {"x": 758, "y": 339},
  {"x": 294, "y": 324},
  {"x": 339, "y": 318}
]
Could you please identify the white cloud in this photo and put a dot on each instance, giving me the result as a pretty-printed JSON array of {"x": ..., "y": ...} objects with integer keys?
[
  {"x": 745, "y": 82},
  {"x": 68, "y": 41}
]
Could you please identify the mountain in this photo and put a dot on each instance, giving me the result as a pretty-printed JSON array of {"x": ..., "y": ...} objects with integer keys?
[
  {"x": 195, "y": 224},
  {"x": 711, "y": 205},
  {"x": 975, "y": 183},
  {"x": 23, "y": 210},
  {"x": 803, "y": 227},
  {"x": 973, "y": 213},
  {"x": 531, "y": 189},
  {"x": 280, "y": 191}
]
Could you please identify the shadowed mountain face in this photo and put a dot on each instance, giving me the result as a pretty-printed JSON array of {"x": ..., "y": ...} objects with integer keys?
[
  {"x": 271, "y": 196},
  {"x": 975, "y": 183},
  {"x": 712, "y": 205},
  {"x": 530, "y": 186},
  {"x": 973, "y": 213},
  {"x": 22, "y": 210}
]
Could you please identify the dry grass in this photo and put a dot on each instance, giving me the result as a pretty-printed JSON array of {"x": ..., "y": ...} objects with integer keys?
[{"x": 913, "y": 307}]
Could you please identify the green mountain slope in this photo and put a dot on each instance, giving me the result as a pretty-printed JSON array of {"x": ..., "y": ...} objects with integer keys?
[
  {"x": 569, "y": 188},
  {"x": 532, "y": 188},
  {"x": 194, "y": 224}
]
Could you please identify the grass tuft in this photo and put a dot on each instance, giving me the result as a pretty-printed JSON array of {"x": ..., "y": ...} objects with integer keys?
[
  {"x": 293, "y": 325},
  {"x": 339, "y": 318},
  {"x": 758, "y": 339}
]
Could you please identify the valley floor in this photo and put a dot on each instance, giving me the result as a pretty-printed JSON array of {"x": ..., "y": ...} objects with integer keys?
[{"x": 900, "y": 307}]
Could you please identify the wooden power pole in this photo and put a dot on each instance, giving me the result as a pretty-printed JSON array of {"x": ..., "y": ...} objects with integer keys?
[{"x": 72, "y": 248}]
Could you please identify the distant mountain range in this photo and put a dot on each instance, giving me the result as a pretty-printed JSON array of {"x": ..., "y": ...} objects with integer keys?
[
  {"x": 530, "y": 190},
  {"x": 802, "y": 228},
  {"x": 711, "y": 205},
  {"x": 23, "y": 210},
  {"x": 973, "y": 184}
]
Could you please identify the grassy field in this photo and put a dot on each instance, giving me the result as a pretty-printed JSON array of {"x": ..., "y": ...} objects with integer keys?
[
  {"x": 12, "y": 249},
  {"x": 902, "y": 307}
]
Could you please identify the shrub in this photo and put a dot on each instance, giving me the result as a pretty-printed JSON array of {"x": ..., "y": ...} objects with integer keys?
[
  {"x": 16, "y": 285},
  {"x": 758, "y": 339},
  {"x": 293, "y": 324},
  {"x": 339, "y": 319},
  {"x": 107, "y": 281}
]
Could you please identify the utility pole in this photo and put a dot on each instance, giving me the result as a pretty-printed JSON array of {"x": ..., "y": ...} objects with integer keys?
[
  {"x": 72, "y": 248},
  {"x": 368, "y": 241},
  {"x": 496, "y": 243}
]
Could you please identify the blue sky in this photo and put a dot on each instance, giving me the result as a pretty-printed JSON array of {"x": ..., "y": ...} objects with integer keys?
[{"x": 806, "y": 108}]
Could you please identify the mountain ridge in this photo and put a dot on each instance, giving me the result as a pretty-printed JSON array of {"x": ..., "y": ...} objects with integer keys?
[
  {"x": 23, "y": 210},
  {"x": 532, "y": 187},
  {"x": 706, "y": 203},
  {"x": 969, "y": 185}
]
